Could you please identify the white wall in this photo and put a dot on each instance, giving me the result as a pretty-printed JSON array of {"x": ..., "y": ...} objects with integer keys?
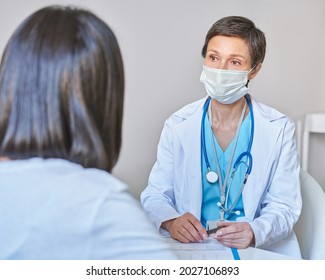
[{"x": 161, "y": 43}]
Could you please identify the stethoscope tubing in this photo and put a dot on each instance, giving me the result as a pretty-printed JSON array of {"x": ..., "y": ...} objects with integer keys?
[
  {"x": 240, "y": 157},
  {"x": 204, "y": 149},
  {"x": 238, "y": 161}
]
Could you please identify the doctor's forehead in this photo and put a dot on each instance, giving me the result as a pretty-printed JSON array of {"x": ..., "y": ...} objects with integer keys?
[{"x": 231, "y": 46}]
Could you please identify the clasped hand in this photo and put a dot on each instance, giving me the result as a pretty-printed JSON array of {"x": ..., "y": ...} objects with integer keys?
[{"x": 187, "y": 228}]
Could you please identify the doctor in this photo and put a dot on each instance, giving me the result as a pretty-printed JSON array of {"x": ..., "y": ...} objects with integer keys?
[{"x": 228, "y": 161}]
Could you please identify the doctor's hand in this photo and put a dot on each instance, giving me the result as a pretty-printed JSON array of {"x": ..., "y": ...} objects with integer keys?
[
  {"x": 186, "y": 228},
  {"x": 235, "y": 234}
]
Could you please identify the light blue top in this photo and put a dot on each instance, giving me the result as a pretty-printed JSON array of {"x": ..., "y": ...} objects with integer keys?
[
  {"x": 211, "y": 191},
  {"x": 55, "y": 209}
]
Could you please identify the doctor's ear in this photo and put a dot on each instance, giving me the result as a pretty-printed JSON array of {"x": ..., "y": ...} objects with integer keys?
[{"x": 254, "y": 72}]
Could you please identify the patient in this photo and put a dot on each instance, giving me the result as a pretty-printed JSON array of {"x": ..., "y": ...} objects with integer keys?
[{"x": 61, "y": 109}]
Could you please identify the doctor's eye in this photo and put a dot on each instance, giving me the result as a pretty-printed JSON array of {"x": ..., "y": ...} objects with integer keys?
[
  {"x": 235, "y": 62},
  {"x": 213, "y": 57}
]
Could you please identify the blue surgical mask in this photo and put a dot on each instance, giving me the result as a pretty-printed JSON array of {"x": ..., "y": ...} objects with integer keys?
[{"x": 226, "y": 86}]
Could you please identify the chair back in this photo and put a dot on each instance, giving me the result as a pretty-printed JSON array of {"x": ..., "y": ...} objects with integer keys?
[
  {"x": 313, "y": 123},
  {"x": 310, "y": 228}
]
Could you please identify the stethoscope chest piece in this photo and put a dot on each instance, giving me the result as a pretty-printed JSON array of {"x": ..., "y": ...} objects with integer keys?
[{"x": 212, "y": 176}]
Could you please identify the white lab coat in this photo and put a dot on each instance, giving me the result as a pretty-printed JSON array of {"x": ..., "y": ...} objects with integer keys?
[{"x": 271, "y": 198}]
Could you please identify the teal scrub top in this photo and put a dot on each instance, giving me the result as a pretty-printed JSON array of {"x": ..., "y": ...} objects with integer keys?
[{"x": 211, "y": 191}]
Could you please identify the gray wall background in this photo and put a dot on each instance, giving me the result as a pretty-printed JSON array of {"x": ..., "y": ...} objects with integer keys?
[{"x": 161, "y": 43}]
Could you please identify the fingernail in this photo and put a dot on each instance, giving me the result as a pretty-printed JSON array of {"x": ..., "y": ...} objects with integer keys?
[
  {"x": 205, "y": 237},
  {"x": 219, "y": 232}
]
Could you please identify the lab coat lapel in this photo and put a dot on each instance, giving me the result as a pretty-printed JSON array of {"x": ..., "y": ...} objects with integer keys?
[
  {"x": 189, "y": 134},
  {"x": 266, "y": 135}
]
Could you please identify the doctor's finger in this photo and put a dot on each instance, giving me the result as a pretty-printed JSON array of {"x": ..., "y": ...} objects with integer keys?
[
  {"x": 235, "y": 240},
  {"x": 230, "y": 236},
  {"x": 186, "y": 234},
  {"x": 190, "y": 231},
  {"x": 199, "y": 233},
  {"x": 194, "y": 226},
  {"x": 235, "y": 243},
  {"x": 176, "y": 232},
  {"x": 241, "y": 236},
  {"x": 184, "y": 230},
  {"x": 232, "y": 228}
]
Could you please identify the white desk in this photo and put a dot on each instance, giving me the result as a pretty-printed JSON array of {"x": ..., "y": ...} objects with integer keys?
[
  {"x": 259, "y": 254},
  {"x": 213, "y": 250}
]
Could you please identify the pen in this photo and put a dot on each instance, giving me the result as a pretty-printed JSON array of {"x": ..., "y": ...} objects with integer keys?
[{"x": 213, "y": 230}]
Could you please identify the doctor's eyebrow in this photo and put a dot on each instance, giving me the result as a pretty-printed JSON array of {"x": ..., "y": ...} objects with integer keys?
[{"x": 231, "y": 55}]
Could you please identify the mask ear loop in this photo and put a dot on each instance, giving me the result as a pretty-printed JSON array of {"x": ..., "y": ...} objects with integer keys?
[{"x": 252, "y": 69}]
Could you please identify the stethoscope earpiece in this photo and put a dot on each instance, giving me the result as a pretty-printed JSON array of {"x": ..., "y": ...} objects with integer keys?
[{"x": 237, "y": 212}]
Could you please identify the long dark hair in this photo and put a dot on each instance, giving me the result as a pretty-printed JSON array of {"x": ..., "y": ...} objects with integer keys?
[{"x": 62, "y": 89}]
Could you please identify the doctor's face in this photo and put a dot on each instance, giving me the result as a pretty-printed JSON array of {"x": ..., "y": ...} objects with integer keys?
[{"x": 228, "y": 53}]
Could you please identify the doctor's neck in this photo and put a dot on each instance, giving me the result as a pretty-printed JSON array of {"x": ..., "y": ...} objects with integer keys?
[{"x": 227, "y": 113}]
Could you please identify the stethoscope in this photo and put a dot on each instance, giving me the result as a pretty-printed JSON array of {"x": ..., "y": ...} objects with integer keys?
[{"x": 212, "y": 176}]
